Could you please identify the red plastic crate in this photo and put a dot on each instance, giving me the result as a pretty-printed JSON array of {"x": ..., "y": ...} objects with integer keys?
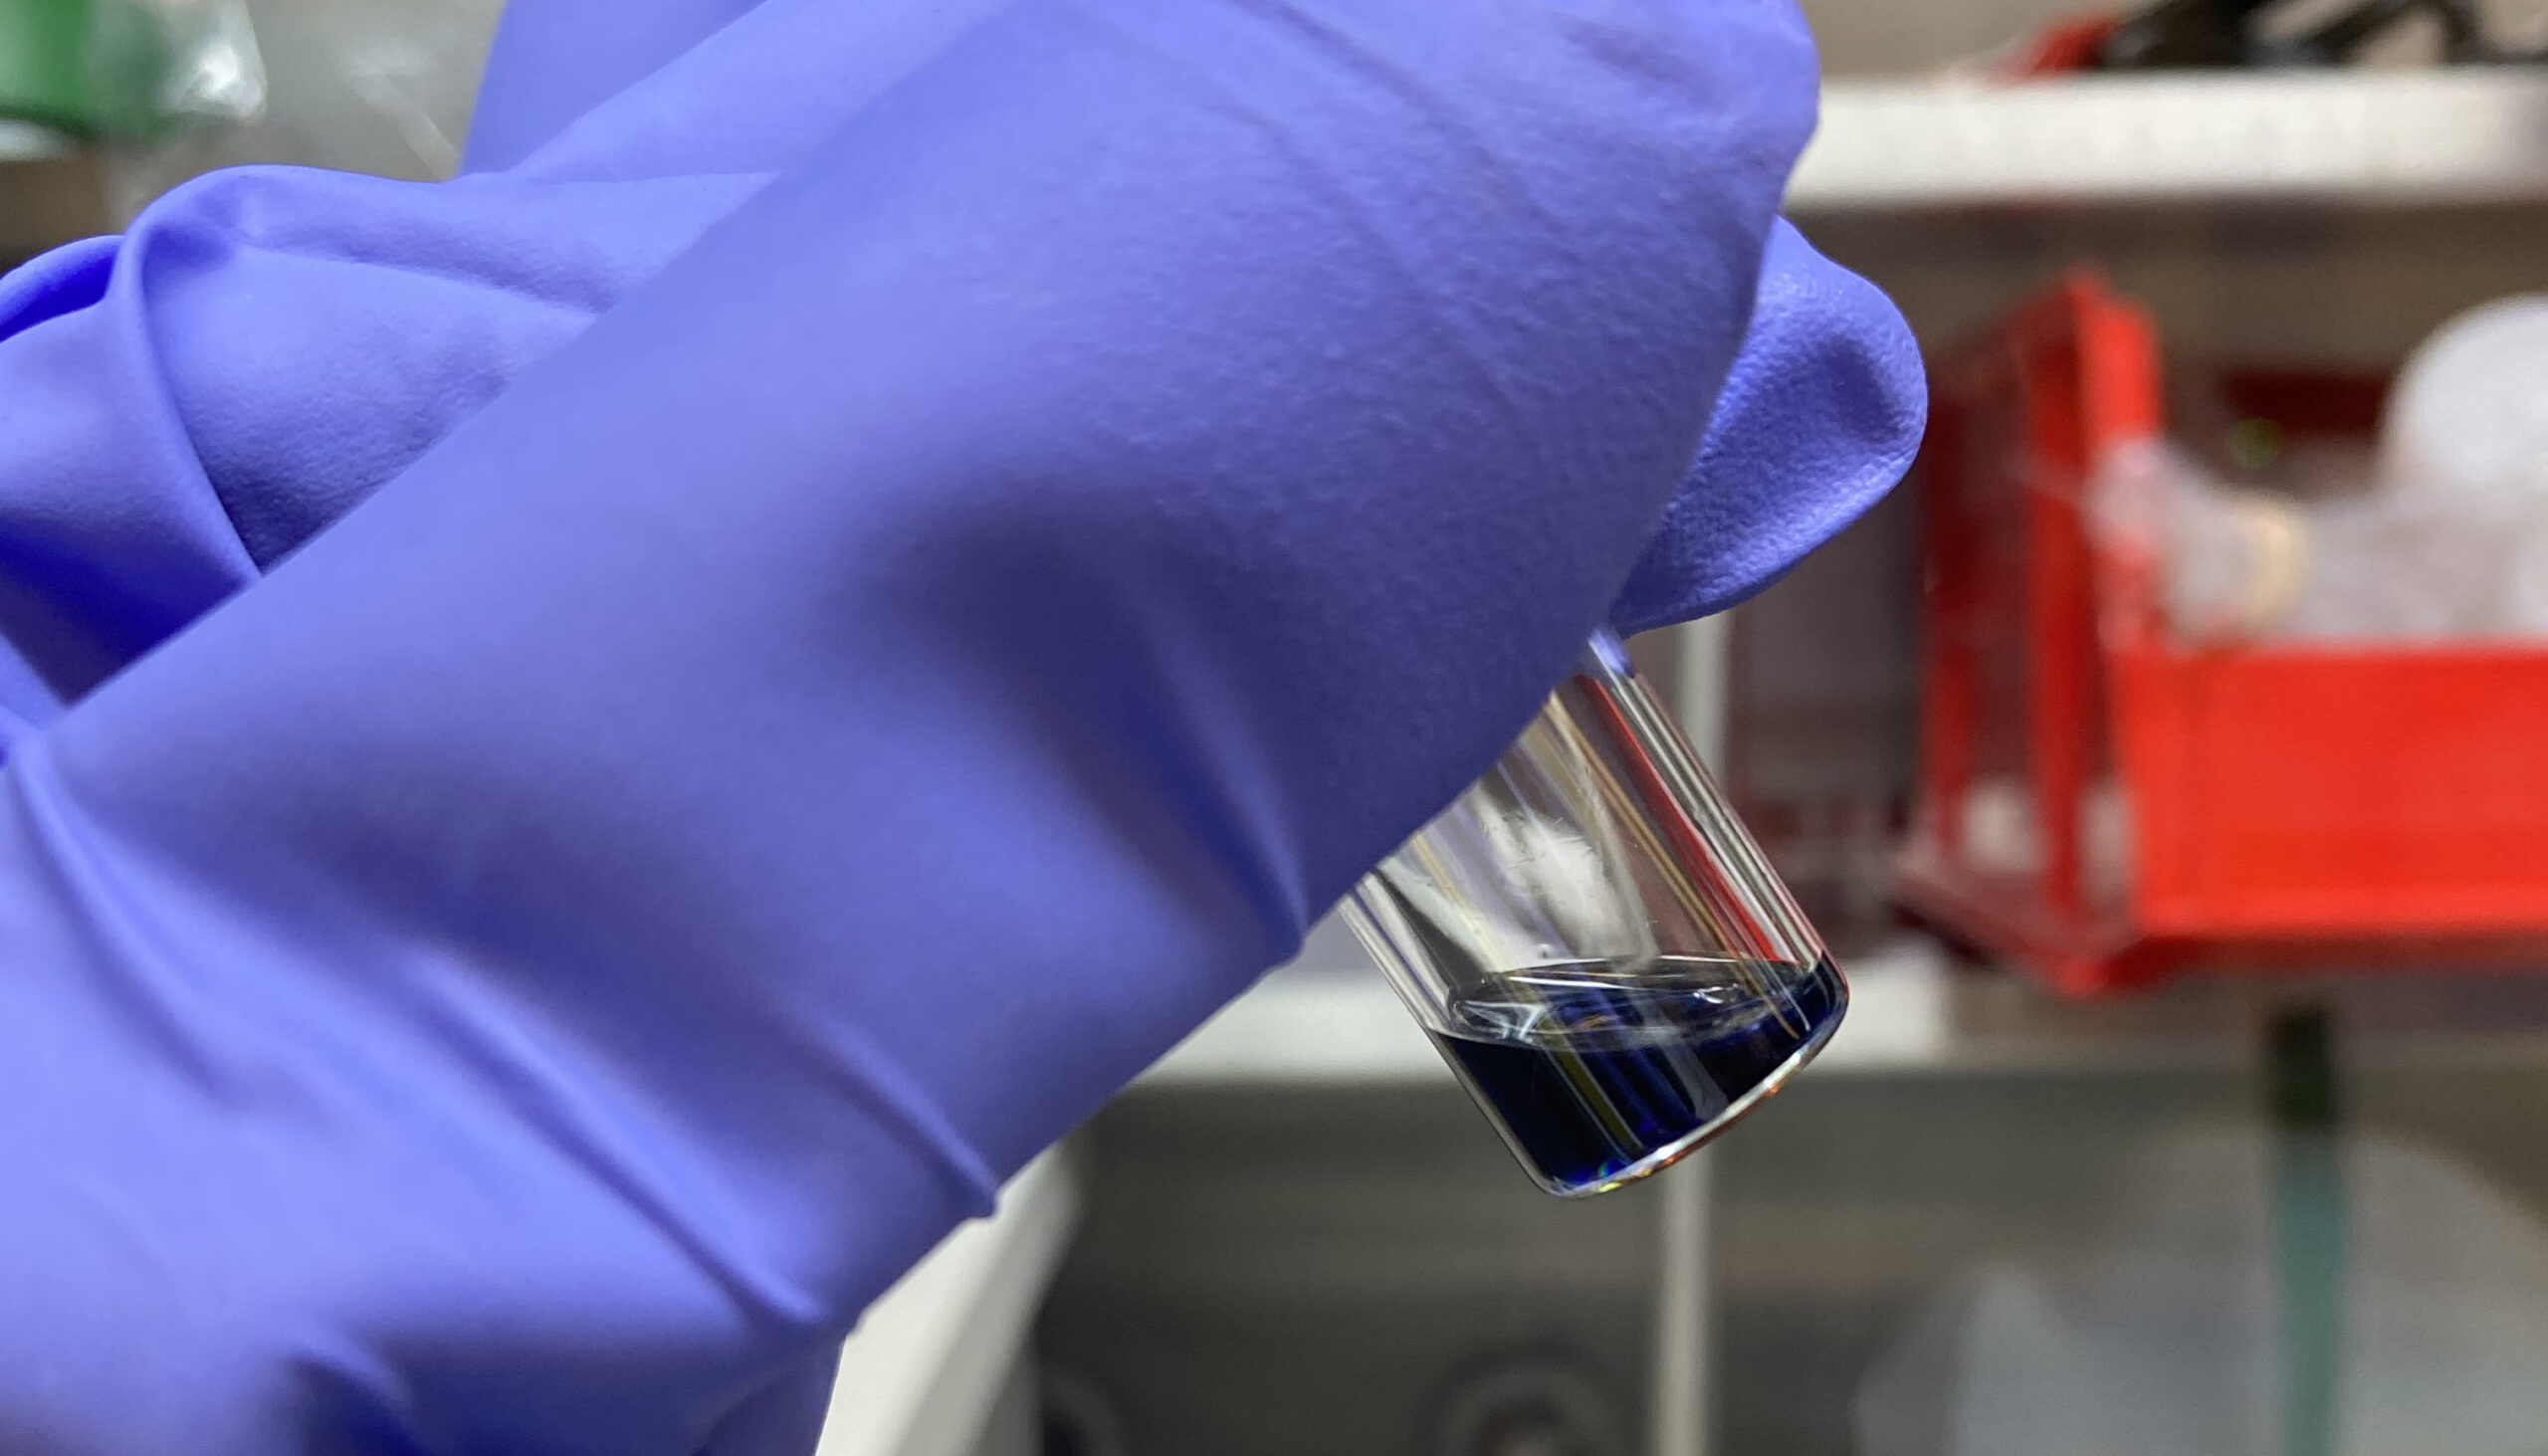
[{"x": 2104, "y": 803}]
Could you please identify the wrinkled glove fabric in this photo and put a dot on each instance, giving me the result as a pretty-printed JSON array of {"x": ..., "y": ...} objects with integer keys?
[{"x": 599, "y": 751}]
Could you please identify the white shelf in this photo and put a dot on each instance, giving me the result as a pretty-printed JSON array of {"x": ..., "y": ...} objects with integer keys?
[
  {"x": 1329, "y": 1020},
  {"x": 2364, "y": 138},
  {"x": 1306, "y": 1026}
]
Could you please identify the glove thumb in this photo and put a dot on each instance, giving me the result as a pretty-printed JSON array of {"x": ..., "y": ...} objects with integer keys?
[{"x": 1818, "y": 418}]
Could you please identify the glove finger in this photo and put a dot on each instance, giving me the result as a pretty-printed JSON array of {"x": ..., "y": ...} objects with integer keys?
[
  {"x": 753, "y": 96},
  {"x": 268, "y": 344},
  {"x": 555, "y": 59},
  {"x": 695, "y": 86},
  {"x": 1821, "y": 416}
]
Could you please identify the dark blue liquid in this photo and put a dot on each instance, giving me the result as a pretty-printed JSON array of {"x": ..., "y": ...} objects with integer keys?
[{"x": 1588, "y": 1076}]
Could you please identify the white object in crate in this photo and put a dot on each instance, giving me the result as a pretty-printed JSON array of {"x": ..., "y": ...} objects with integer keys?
[{"x": 2446, "y": 537}]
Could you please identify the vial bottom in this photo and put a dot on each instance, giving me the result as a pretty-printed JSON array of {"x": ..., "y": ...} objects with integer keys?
[{"x": 1598, "y": 1075}]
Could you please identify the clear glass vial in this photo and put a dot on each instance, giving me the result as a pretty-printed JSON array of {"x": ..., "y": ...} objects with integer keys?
[{"x": 1597, "y": 946}]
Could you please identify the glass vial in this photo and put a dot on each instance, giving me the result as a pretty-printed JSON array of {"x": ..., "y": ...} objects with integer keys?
[{"x": 1596, "y": 943}]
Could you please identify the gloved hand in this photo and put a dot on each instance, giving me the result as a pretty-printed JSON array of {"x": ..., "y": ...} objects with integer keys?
[
  {"x": 270, "y": 344},
  {"x": 522, "y": 976}
]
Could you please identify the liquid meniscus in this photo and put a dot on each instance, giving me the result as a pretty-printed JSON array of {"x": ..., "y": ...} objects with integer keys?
[{"x": 1598, "y": 1073}]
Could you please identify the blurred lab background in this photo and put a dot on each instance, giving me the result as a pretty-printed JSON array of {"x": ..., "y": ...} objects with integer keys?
[{"x": 2166, "y": 763}]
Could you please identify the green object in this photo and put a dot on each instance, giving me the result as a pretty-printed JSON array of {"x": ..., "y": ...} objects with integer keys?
[
  {"x": 92, "y": 68},
  {"x": 2310, "y": 1225},
  {"x": 44, "y": 68}
]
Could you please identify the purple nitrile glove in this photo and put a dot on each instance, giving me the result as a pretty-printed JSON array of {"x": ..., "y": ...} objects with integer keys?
[
  {"x": 525, "y": 976},
  {"x": 1819, "y": 419},
  {"x": 268, "y": 345},
  {"x": 554, "y": 60}
]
